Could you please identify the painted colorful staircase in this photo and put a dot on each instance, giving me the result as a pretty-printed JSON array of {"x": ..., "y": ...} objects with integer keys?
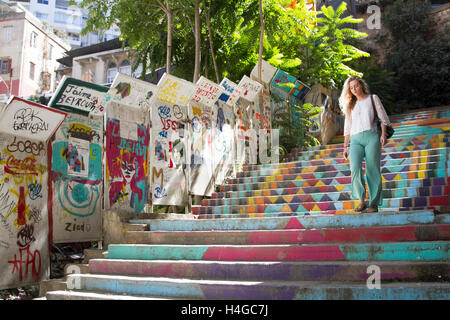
[{"x": 288, "y": 231}]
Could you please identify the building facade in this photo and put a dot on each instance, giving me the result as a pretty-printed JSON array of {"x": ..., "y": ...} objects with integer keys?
[
  {"x": 98, "y": 63},
  {"x": 70, "y": 19},
  {"x": 28, "y": 53}
]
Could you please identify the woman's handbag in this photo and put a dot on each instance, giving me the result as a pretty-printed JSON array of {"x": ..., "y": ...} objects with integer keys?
[{"x": 389, "y": 129}]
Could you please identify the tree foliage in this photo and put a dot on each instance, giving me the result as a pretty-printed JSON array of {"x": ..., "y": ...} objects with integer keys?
[
  {"x": 314, "y": 49},
  {"x": 419, "y": 59}
]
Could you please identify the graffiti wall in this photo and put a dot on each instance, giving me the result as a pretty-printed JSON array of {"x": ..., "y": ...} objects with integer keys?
[
  {"x": 224, "y": 148},
  {"x": 127, "y": 145},
  {"x": 248, "y": 120},
  {"x": 169, "y": 136},
  {"x": 25, "y": 129},
  {"x": 76, "y": 179},
  {"x": 202, "y": 105}
]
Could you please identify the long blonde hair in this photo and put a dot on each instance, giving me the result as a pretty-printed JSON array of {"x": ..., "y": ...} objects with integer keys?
[{"x": 347, "y": 100}]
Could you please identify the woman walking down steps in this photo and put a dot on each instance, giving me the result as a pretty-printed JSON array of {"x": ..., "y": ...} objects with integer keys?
[{"x": 363, "y": 141}]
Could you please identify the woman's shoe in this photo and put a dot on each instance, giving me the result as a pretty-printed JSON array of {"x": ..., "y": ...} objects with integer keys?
[
  {"x": 362, "y": 206},
  {"x": 372, "y": 209}
]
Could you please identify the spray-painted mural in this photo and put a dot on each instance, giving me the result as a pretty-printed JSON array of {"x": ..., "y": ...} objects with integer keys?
[
  {"x": 201, "y": 143},
  {"x": 25, "y": 129},
  {"x": 76, "y": 178},
  {"x": 247, "y": 111},
  {"x": 127, "y": 144},
  {"x": 169, "y": 136}
]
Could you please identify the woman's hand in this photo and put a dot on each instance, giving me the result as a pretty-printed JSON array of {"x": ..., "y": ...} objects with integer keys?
[
  {"x": 383, "y": 140},
  {"x": 345, "y": 153}
]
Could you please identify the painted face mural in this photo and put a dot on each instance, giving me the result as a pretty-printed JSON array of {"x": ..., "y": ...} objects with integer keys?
[{"x": 127, "y": 167}]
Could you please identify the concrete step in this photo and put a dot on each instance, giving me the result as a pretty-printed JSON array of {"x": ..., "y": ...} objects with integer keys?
[
  {"x": 300, "y": 222},
  {"x": 443, "y": 152},
  {"x": 266, "y": 290},
  {"x": 135, "y": 227},
  {"x": 413, "y": 140},
  {"x": 355, "y": 271},
  {"x": 420, "y": 163},
  {"x": 398, "y": 180},
  {"x": 326, "y": 196},
  {"x": 444, "y": 136},
  {"x": 80, "y": 295},
  {"x": 421, "y": 185},
  {"x": 325, "y": 207},
  {"x": 93, "y": 254},
  {"x": 391, "y": 251},
  {"x": 432, "y": 232},
  {"x": 387, "y": 174},
  {"x": 335, "y": 153},
  {"x": 343, "y": 171}
]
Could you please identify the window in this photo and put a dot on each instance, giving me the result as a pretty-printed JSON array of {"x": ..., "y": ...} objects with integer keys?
[
  {"x": 42, "y": 1},
  {"x": 50, "y": 51},
  {"x": 33, "y": 39},
  {"x": 125, "y": 67},
  {"x": 7, "y": 34},
  {"x": 61, "y": 18},
  {"x": 5, "y": 66},
  {"x": 32, "y": 67},
  {"x": 41, "y": 16},
  {"x": 111, "y": 73}
]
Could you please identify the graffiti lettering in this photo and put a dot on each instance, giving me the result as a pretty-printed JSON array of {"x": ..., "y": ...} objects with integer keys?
[
  {"x": 26, "y": 119},
  {"x": 35, "y": 190},
  {"x": 71, "y": 227},
  {"x": 82, "y": 132},
  {"x": 35, "y": 215},
  {"x": 26, "y": 166},
  {"x": 25, "y": 236},
  {"x": 31, "y": 259},
  {"x": 137, "y": 148},
  {"x": 26, "y": 146},
  {"x": 169, "y": 124},
  {"x": 160, "y": 192},
  {"x": 164, "y": 112}
]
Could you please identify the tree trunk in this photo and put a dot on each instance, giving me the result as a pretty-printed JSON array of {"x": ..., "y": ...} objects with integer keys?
[
  {"x": 261, "y": 41},
  {"x": 211, "y": 45},
  {"x": 169, "y": 39},
  {"x": 197, "y": 42}
]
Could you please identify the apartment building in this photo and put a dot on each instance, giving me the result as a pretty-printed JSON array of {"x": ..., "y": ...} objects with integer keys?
[
  {"x": 70, "y": 19},
  {"x": 28, "y": 53}
]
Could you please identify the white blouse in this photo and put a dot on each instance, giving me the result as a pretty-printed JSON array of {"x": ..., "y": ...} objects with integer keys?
[{"x": 362, "y": 117}]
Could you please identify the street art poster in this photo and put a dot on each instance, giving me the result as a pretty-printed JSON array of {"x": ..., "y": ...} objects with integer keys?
[
  {"x": 248, "y": 118},
  {"x": 77, "y": 196},
  {"x": 224, "y": 149},
  {"x": 77, "y": 96},
  {"x": 169, "y": 137},
  {"x": 267, "y": 73},
  {"x": 78, "y": 157},
  {"x": 128, "y": 144},
  {"x": 200, "y": 112},
  {"x": 24, "y": 218}
]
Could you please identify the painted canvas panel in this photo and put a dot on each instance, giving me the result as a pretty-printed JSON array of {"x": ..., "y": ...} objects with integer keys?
[
  {"x": 267, "y": 72},
  {"x": 77, "y": 196},
  {"x": 77, "y": 96},
  {"x": 203, "y": 101},
  {"x": 224, "y": 148},
  {"x": 169, "y": 137},
  {"x": 24, "y": 218},
  {"x": 28, "y": 120},
  {"x": 127, "y": 149},
  {"x": 127, "y": 165}
]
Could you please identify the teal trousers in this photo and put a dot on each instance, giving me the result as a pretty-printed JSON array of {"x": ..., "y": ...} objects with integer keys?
[{"x": 366, "y": 146}]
